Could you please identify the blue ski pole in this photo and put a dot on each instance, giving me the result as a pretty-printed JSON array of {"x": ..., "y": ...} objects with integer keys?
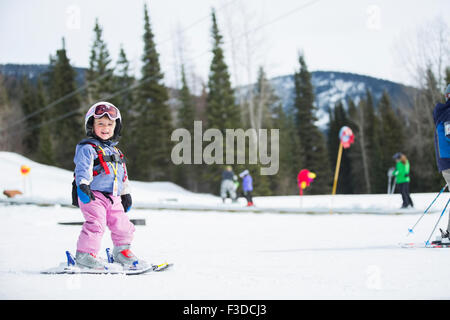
[
  {"x": 428, "y": 241},
  {"x": 426, "y": 210}
]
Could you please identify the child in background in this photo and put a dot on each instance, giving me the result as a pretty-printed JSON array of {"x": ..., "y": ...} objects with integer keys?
[
  {"x": 247, "y": 186},
  {"x": 102, "y": 189}
]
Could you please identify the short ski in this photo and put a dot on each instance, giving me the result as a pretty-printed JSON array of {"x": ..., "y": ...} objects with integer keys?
[
  {"x": 424, "y": 245},
  {"x": 111, "y": 267},
  {"x": 64, "y": 269}
]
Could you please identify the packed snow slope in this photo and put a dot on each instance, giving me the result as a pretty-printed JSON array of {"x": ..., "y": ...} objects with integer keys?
[{"x": 225, "y": 255}]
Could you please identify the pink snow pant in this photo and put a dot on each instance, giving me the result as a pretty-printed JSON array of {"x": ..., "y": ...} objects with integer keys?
[{"x": 99, "y": 214}]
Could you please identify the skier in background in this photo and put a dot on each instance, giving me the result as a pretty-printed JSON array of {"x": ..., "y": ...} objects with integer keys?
[
  {"x": 247, "y": 186},
  {"x": 102, "y": 189},
  {"x": 227, "y": 185},
  {"x": 441, "y": 116},
  {"x": 401, "y": 174}
]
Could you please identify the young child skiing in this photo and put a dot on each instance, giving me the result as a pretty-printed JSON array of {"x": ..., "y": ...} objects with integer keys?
[
  {"x": 401, "y": 174},
  {"x": 441, "y": 115},
  {"x": 102, "y": 189},
  {"x": 247, "y": 186}
]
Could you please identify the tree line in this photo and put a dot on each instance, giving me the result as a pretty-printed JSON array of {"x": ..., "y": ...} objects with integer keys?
[{"x": 46, "y": 121}]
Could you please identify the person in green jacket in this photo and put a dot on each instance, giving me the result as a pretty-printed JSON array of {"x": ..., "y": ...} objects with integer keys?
[{"x": 401, "y": 174}]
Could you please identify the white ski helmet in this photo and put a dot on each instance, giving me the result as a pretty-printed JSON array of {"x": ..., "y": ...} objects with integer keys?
[{"x": 99, "y": 110}]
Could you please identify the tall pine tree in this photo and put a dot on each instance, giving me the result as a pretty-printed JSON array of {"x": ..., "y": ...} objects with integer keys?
[
  {"x": 372, "y": 129},
  {"x": 290, "y": 160},
  {"x": 312, "y": 141},
  {"x": 187, "y": 174},
  {"x": 66, "y": 125},
  {"x": 358, "y": 151},
  {"x": 155, "y": 119},
  {"x": 99, "y": 74},
  {"x": 221, "y": 111},
  {"x": 124, "y": 99},
  {"x": 391, "y": 133}
]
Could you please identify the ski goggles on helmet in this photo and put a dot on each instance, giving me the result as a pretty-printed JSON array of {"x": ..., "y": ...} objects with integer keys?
[{"x": 106, "y": 109}]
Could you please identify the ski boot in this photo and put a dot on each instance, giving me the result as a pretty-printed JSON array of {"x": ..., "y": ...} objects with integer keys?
[
  {"x": 89, "y": 261},
  {"x": 443, "y": 238},
  {"x": 124, "y": 256}
]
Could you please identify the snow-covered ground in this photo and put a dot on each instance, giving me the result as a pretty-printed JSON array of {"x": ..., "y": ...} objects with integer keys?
[{"x": 225, "y": 255}]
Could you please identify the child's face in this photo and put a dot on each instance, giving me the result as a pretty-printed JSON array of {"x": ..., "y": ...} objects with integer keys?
[{"x": 104, "y": 128}]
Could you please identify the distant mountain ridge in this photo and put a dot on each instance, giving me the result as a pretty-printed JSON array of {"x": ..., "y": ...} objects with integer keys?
[
  {"x": 33, "y": 71},
  {"x": 330, "y": 87}
]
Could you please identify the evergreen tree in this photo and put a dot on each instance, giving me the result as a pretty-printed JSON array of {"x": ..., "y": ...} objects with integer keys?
[
  {"x": 155, "y": 119},
  {"x": 44, "y": 149},
  {"x": 285, "y": 182},
  {"x": 99, "y": 74},
  {"x": 187, "y": 174},
  {"x": 313, "y": 146},
  {"x": 124, "y": 99},
  {"x": 186, "y": 113},
  {"x": 221, "y": 110},
  {"x": 29, "y": 106},
  {"x": 358, "y": 151},
  {"x": 67, "y": 126},
  {"x": 391, "y": 133},
  {"x": 372, "y": 128}
]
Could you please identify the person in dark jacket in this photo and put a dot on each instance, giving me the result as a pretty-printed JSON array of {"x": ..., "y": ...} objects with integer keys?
[
  {"x": 227, "y": 185},
  {"x": 441, "y": 116}
]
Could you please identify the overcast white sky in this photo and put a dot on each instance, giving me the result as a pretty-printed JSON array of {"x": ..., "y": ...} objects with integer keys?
[{"x": 350, "y": 35}]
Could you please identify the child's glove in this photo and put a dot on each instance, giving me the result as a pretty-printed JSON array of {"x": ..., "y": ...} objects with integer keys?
[
  {"x": 85, "y": 194},
  {"x": 126, "y": 202}
]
